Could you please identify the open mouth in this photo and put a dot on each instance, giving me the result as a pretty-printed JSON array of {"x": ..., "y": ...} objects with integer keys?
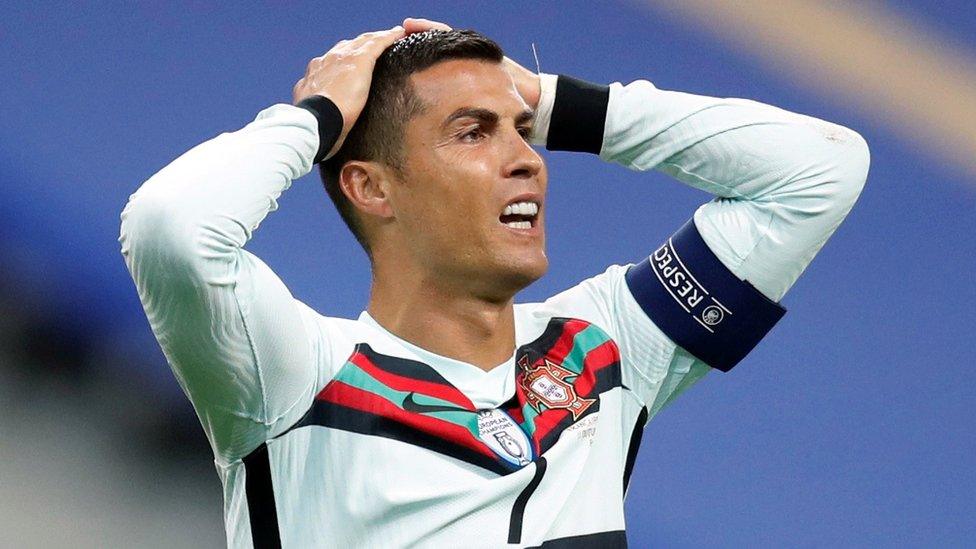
[{"x": 520, "y": 215}]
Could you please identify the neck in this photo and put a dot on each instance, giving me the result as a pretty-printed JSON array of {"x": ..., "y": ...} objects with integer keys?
[{"x": 443, "y": 319}]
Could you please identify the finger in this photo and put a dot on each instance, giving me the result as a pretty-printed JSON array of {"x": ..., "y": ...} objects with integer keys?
[
  {"x": 384, "y": 39},
  {"x": 388, "y": 36},
  {"x": 416, "y": 24},
  {"x": 420, "y": 25},
  {"x": 373, "y": 43},
  {"x": 428, "y": 22}
]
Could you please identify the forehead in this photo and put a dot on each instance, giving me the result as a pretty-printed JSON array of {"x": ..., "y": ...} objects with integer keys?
[{"x": 449, "y": 85}]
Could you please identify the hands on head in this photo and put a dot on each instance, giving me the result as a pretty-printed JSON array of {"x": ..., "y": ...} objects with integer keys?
[{"x": 344, "y": 73}]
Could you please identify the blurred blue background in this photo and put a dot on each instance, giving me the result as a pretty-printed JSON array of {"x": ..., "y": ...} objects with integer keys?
[{"x": 850, "y": 425}]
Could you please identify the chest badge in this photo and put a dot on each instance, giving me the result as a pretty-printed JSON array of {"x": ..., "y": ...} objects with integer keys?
[
  {"x": 545, "y": 384},
  {"x": 500, "y": 432}
]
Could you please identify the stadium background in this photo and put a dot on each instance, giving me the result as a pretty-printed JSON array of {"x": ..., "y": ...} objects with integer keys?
[{"x": 851, "y": 425}]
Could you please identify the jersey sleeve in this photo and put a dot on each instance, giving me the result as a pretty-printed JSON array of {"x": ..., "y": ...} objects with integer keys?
[
  {"x": 243, "y": 349},
  {"x": 782, "y": 183}
]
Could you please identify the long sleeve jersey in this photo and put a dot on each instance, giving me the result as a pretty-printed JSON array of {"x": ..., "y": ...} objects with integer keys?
[{"x": 332, "y": 432}]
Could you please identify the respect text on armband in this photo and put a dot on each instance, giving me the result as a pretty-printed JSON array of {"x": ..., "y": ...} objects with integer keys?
[
  {"x": 685, "y": 271},
  {"x": 681, "y": 284}
]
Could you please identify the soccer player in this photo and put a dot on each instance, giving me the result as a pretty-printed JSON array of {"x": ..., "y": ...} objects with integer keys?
[{"x": 446, "y": 414}]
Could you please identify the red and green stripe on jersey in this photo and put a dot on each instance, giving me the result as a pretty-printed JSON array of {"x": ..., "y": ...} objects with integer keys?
[
  {"x": 559, "y": 378},
  {"x": 589, "y": 359}
]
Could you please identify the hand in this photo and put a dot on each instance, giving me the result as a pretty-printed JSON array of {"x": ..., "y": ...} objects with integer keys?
[
  {"x": 344, "y": 74},
  {"x": 526, "y": 81}
]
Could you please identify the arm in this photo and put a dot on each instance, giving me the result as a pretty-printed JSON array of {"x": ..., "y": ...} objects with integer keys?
[
  {"x": 228, "y": 326},
  {"x": 242, "y": 348},
  {"x": 783, "y": 183}
]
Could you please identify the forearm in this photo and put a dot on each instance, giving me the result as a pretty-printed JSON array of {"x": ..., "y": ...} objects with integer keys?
[{"x": 786, "y": 180}]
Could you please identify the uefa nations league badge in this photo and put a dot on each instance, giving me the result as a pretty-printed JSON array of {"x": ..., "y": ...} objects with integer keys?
[{"x": 500, "y": 432}]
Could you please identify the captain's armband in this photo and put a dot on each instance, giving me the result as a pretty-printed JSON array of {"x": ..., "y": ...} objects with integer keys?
[{"x": 698, "y": 303}]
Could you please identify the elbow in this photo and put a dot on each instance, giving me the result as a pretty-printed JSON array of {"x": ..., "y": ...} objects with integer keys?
[
  {"x": 143, "y": 219},
  {"x": 839, "y": 176},
  {"x": 851, "y": 168},
  {"x": 155, "y": 228},
  {"x": 161, "y": 234}
]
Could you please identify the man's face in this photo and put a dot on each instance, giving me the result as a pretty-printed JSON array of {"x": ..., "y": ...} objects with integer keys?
[{"x": 472, "y": 202}]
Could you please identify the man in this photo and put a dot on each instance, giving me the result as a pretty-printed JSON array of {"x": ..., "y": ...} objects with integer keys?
[{"x": 446, "y": 414}]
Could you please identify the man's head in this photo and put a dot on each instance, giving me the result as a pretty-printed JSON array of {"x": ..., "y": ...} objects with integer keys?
[{"x": 428, "y": 174}]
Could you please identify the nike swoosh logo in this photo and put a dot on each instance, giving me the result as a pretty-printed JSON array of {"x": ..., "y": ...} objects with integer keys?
[{"x": 411, "y": 405}]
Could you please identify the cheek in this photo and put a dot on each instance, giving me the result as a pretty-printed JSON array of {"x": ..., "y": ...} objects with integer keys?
[
  {"x": 466, "y": 187},
  {"x": 468, "y": 178},
  {"x": 449, "y": 200},
  {"x": 439, "y": 213}
]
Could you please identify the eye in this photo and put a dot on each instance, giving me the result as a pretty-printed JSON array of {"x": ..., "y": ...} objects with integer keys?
[
  {"x": 473, "y": 135},
  {"x": 524, "y": 131}
]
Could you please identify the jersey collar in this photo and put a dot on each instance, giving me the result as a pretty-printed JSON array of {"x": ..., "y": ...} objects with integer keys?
[{"x": 485, "y": 389}]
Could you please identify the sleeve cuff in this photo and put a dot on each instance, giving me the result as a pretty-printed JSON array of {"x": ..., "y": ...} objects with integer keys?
[
  {"x": 543, "y": 111},
  {"x": 329, "y": 122},
  {"x": 579, "y": 114}
]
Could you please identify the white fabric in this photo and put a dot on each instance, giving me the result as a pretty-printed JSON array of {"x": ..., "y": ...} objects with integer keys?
[
  {"x": 251, "y": 358},
  {"x": 543, "y": 111}
]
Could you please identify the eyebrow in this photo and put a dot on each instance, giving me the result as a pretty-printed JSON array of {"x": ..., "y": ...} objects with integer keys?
[{"x": 486, "y": 116}]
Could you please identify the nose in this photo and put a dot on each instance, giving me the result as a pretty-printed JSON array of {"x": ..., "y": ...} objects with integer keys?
[{"x": 523, "y": 161}]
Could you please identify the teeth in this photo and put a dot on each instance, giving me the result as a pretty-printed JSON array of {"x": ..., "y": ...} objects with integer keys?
[
  {"x": 520, "y": 224},
  {"x": 521, "y": 208}
]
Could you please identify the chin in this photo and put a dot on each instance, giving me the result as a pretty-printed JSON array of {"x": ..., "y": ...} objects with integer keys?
[{"x": 522, "y": 274}]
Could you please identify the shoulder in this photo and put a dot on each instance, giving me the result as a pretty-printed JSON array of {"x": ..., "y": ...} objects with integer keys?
[
  {"x": 337, "y": 338},
  {"x": 597, "y": 300},
  {"x": 604, "y": 302},
  {"x": 333, "y": 339}
]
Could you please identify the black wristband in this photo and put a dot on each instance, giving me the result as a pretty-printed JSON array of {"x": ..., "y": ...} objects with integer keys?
[
  {"x": 579, "y": 114},
  {"x": 330, "y": 122}
]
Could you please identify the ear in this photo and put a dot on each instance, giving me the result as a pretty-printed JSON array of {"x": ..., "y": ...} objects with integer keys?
[{"x": 366, "y": 185}]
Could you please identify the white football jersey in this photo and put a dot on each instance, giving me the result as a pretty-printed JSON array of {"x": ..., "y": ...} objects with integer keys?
[
  {"x": 403, "y": 447},
  {"x": 331, "y": 432}
]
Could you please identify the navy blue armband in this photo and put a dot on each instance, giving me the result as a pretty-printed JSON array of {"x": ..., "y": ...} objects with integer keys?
[
  {"x": 698, "y": 303},
  {"x": 330, "y": 122}
]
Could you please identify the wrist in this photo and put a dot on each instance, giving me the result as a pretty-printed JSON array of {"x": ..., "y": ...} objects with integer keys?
[
  {"x": 329, "y": 122},
  {"x": 579, "y": 114},
  {"x": 526, "y": 82},
  {"x": 543, "y": 110}
]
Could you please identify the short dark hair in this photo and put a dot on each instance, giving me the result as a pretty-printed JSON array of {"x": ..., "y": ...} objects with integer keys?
[{"x": 378, "y": 133}]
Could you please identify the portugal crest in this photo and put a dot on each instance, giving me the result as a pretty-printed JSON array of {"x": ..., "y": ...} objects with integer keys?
[{"x": 545, "y": 383}]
